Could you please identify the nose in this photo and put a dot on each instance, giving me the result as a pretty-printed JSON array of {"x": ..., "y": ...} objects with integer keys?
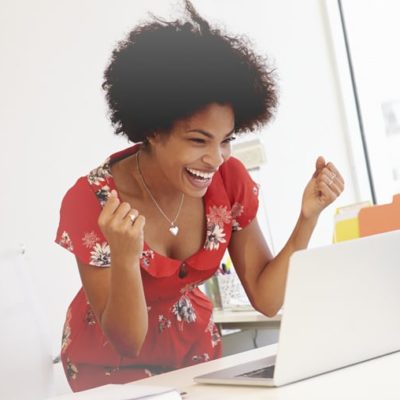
[{"x": 215, "y": 157}]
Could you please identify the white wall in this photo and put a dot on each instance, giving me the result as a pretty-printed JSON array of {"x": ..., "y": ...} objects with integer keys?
[
  {"x": 54, "y": 124},
  {"x": 376, "y": 62}
]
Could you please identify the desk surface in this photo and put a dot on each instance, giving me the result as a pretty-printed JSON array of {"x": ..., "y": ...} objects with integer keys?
[
  {"x": 231, "y": 316},
  {"x": 376, "y": 379}
]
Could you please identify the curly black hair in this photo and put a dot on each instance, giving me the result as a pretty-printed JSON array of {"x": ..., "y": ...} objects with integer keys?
[{"x": 165, "y": 71}]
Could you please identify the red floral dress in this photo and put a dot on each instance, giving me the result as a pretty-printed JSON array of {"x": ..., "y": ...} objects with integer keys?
[{"x": 181, "y": 331}]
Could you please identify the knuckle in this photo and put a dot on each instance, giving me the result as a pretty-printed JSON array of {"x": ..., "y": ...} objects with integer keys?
[
  {"x": 125, "y": 205},
  {"x": 110, "y": 201},
  {"x": 101, "y": 221},
  {"x": 133, "y": 213},
  {"x": 113, "y": 225},
  {"x": 132, "y": 233}
]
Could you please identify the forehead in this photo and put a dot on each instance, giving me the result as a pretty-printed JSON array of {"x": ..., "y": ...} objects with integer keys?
[{"x": 214, "y": 118}]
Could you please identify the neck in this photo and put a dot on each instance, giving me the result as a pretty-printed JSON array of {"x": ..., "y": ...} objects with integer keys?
[{"x": 153, "y": 177}]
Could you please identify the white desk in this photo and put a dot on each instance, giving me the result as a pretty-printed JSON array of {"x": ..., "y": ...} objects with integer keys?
[
  {"x": 376, "y": 379},
  {"x": 256, "y": 329},
  {"x": 228, "y": 319}
]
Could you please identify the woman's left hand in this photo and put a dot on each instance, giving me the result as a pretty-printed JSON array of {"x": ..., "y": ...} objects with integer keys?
[{"x": 324, "y": 187}]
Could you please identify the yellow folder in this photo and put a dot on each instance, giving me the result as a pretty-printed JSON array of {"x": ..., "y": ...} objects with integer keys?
[{"x": 346, "y": 222}]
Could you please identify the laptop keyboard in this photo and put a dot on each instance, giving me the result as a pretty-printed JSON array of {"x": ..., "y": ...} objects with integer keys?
[{"x": 267, "y": 372}]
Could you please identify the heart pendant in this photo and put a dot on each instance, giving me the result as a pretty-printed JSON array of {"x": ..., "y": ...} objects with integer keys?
[{"x": 174, "y": 230}]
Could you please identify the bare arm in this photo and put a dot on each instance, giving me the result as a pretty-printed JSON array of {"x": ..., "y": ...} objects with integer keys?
[
  {"x": 264, "y": 276},
  {"x": 116, "y": 294}
]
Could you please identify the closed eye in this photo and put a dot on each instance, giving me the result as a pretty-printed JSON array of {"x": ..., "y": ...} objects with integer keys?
[
  {"x": 197, "y": 140},
  {"x": 229, "y": 139},
  {"x": 203, "y": 141}
]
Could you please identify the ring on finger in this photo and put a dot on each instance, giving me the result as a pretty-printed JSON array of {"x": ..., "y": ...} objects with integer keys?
[{"x": 132, "y": 217}]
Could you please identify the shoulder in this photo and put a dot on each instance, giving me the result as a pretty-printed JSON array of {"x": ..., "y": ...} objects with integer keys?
[
  {"x": 89, "y": 192},
  {"x": 242, "y": 192},
  {"x": 232, "y": 167},
  {"x": 79, "y": 206},
  {"x": 98, "y": 183},
  {"x": 236, "y": 178},
  {"x": 78, "y": 230},
  {"x": 79, "y": 190},
  {"x": 87, "y": 189}
]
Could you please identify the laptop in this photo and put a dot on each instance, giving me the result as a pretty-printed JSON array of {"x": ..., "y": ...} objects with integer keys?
[{"x": 341, "y": 307}]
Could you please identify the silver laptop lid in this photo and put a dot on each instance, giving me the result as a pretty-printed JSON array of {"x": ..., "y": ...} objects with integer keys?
[{"x": 351, "y": 291}]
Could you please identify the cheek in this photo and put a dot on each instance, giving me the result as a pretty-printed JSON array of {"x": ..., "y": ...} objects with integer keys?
[
  {"x": 189, "y": 155},
  {"x": 226, "y": 153}
]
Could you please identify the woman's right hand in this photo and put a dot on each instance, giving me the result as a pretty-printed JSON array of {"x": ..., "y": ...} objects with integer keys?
[{"x": 122, "y": 226}]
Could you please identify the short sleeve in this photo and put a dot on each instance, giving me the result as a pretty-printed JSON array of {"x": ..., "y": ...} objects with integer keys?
[
  {"x": 78, "y": 230},
  {"x": 242, "y": 193}
]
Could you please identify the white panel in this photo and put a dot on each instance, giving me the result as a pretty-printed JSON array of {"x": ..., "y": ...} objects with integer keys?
[
  {"x": 26, "y": 370},
  {"x": 373, "y": 31}
]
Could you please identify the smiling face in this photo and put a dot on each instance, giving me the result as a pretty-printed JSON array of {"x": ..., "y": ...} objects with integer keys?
[{"x": 188, "y": 157}]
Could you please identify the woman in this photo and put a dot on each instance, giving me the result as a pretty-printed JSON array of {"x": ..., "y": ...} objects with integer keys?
[{"x": 153, "y": 222}]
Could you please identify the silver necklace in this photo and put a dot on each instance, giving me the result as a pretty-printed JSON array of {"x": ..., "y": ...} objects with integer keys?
[{"x": 173, "y": 228}]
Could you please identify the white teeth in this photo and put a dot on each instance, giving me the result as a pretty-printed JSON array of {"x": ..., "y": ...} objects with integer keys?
[{"x": 201, "y": 174}]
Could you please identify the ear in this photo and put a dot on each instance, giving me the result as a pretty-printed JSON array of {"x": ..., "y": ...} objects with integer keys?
[
  {"x": 153, "y": 139},
  {"x": 158, "y": 138}
]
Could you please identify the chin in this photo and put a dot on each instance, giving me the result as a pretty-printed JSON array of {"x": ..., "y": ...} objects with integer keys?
[{"x": 199, "y": 193}]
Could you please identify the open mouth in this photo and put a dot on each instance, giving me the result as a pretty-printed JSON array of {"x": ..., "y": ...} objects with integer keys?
[{"x": 200, "y": 175}]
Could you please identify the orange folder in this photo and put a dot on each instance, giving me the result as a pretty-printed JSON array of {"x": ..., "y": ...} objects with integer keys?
[{"x": 380, "y": 218}]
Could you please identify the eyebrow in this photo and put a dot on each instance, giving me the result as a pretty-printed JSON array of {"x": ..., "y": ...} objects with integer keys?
[{"x": 208, "y": 134}]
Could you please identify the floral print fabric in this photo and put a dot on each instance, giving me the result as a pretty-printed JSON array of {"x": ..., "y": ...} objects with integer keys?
[{"x": 181, "y": 331}]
